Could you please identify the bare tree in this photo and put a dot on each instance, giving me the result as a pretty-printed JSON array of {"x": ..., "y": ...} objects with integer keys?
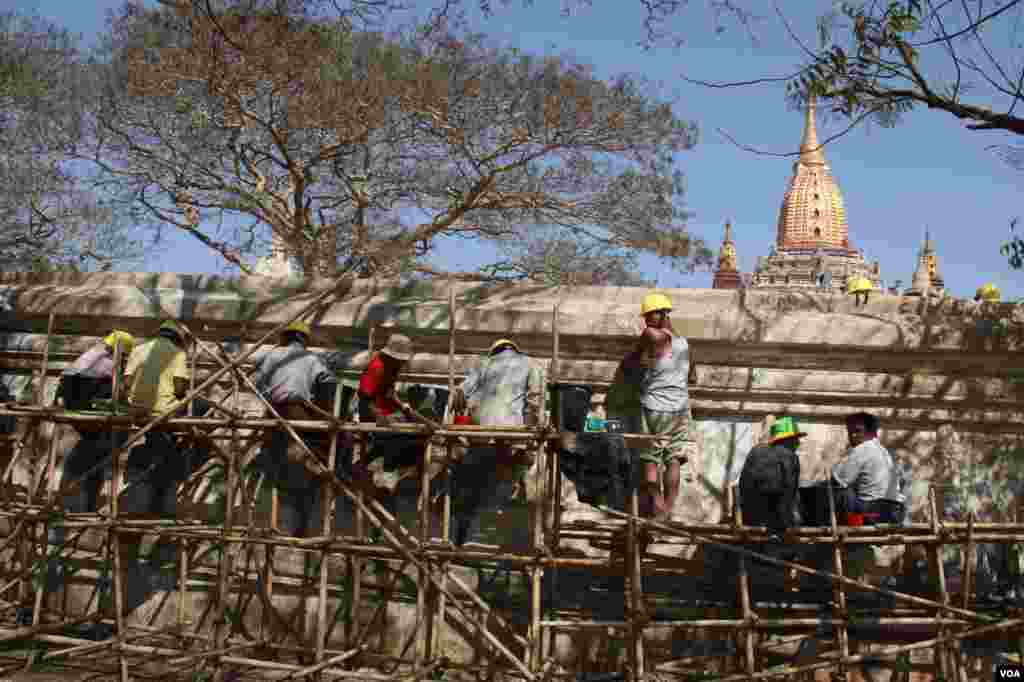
[
  {"x": 352, "y": 152},
  {"x": 49, "y": 214}
]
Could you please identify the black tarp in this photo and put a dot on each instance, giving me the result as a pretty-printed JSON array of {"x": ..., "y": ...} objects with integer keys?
[{"x": 599, "y": 465}]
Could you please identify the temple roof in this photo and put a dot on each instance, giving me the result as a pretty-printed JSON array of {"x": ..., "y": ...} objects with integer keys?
[{"x": 812, "y": 213}]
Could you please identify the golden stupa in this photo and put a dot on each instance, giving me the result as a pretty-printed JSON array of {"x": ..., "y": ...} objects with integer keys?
[{"x": 812, "y": 248}]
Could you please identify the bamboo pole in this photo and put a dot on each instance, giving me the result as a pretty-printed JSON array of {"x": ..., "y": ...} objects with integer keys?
[
  {"x": 965, "y": 598},
  {"x": 26, "y": 547},
  {"x": 943, "y": 656},
  {"x": 327, "y": 528},
  {"x": 361, "y": 453},
  {"x": 47, "y": 475},
  {"x": 44, "y": 531},
  {"x": 222, "y": 626},
  {"x": 969, "y": 562},
  {"x": 21, "y": 634},
  {"x": 436, "y": 624},
  {"x": 842, "y": 636},
  {"x": 744, "y": 595},
  {"x": 421, "y": 650},
  {"x": 556, "y": 473},
  {"x": 114, "y": 540},
  {"x": 758, "y": 623}
]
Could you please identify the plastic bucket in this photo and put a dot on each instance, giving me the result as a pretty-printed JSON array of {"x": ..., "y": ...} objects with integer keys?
[{"x": 570, "y": 404}]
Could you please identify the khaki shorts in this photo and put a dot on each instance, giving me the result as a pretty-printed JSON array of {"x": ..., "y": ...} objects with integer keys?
[{"x": 676, "y": 442}]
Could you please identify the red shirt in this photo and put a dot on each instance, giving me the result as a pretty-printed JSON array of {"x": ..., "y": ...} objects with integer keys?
[{"x": 375, "y": 384}]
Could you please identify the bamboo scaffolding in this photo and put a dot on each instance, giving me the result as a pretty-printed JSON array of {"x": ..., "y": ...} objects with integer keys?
[
  {"x": 432, "y": 562},
  {"x": 153, "y": 423}
]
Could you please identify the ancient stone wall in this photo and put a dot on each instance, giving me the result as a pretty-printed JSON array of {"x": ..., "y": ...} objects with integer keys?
[{"x": 938, "y": 373}]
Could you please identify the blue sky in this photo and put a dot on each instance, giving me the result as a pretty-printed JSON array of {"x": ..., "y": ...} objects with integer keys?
[{"x": 930, "y": 172}]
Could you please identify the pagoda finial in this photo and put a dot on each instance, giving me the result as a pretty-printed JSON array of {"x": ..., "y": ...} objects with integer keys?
[
  {"x": 810, "y": 150},
  {"x": 727, "y": 256}
]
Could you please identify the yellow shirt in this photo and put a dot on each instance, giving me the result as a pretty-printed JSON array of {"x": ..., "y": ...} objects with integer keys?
[{"x": 153, "y": 366}]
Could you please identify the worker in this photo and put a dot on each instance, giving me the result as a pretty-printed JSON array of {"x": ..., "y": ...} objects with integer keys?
[
  {"x": 157, "y": 379},
  {"x": 665, "y": 403},
  {"x": 871, "y": 481},
  {"x": 859, "y": 286},
  {"x": 770, "y": 480},
  {"x": 290, "y": 377},
  {"x": 377, "y": 400},
  {"x": 504, "y": 389},
  {"x": 157, "y": 372},
  {"x": 91, "y": 376},
  {"x": 988, "y": 293},
  {"x": 379, "y": 404}
]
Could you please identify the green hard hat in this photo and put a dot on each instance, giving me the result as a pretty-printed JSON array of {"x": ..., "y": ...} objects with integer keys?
[{"x": 783, "y": 428}]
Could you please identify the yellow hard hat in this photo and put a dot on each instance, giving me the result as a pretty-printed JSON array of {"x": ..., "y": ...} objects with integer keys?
[
  {"x": 502, "y": 342},
  {"x": 653, "y": 302},
  {"x": 126, "y": 339},
  {"x": 171, "y": 326},
  {"x": 856, "y": 285},
  {"x": 988, "y": 292},
  {"x": 300, "y": 327}
]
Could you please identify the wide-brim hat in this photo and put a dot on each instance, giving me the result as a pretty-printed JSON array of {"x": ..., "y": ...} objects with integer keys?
[
  {"x": 784, "y": 429},
  {"x": 399, "y": 347}
]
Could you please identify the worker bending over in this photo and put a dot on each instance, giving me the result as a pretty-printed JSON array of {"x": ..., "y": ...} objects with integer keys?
[
  {"x": 504, "y": 389},
  {"x": 871, "y": 479},
  {"x": 90, "y": 377},
  {"x": 289, "y": 376},
  {"x": 665, "y": 403},
  {"x": 378, "y": 403},
  {"x": 770, "y": 480}
]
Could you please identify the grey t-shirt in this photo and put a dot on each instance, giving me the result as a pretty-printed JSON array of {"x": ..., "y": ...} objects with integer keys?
[
  {"x": 289, "y": 374},
  {"x": 664, "y": 384},
  {"x": 871, "y": 473},
  {"x": 504, "y": 390}
]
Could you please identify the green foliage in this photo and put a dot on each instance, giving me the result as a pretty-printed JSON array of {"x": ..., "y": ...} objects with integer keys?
[{"x": 1013, "y": 248}]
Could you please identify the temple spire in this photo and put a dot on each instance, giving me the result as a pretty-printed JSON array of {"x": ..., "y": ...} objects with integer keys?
[
  {"x": 810, "y": 150},
  {"x": 726, "y": 275}
]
